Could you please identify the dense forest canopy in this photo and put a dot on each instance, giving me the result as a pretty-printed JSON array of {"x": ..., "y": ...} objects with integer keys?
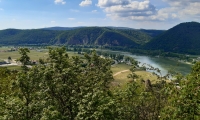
[{"x": 68, "y": 88}]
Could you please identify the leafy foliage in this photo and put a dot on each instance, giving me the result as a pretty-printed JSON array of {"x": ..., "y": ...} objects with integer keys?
[
  {"x": 61, "y": 88},
  {"x": 184, "y": 99},
  {"x": 68, "y": 88}
]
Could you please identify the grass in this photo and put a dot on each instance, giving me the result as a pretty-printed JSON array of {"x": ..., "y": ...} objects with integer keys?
[
  {"x": 14, "y": 67},
  {"x": 34, "y": 55},
  {"x": 74, "y": 54},
  {"x": 147, "y": 75},
  {"x": 1, "y": 60},
  {"x": 5, "y": 48},
  {"x": 119, "y": 67},
  {"x": 13, "y": 55},
  {"x": 121, "y": 78}
]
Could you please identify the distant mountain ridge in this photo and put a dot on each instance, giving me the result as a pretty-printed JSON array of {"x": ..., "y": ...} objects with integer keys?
[
  {"x": 150, "y": 32},
  {"x": 182, "y": 38},
  {"x": 60, "y": 28},
  {"x": 75, "y": 36},
  {"x": 72, "y": 28}
]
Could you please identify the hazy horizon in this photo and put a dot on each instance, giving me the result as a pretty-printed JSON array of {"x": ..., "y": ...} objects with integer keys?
[{"x": 80, "y": 27}]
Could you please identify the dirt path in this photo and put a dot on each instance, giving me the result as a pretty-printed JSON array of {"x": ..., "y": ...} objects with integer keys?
[
  {"x": 120, "y": 72},
  {"x": 13, "y": 62}
]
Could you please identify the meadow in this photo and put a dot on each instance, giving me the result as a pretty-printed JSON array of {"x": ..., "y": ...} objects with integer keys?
[{"x": 35, "y": 54}]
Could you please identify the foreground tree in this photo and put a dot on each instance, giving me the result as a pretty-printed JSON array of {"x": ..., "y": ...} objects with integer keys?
[
  {"x": 63, "y": 88},
  {"x": 96, "y": 100},
  {"x": 24, "y": 59},
  {"x": 184, "y": 100}
]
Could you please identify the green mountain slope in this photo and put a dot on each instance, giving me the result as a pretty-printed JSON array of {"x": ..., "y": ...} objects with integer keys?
[
  {"x": 114, "y": 38},
  {"x": 139, "y": 37},
  {"x": 183, "y": 38},
  {"x": 78, "y": 36},
  {"x": 102, "y": 35},
  {"x": 14, "y": 36}
]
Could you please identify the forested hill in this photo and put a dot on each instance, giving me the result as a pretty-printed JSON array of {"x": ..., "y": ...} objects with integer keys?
[
  {"x": 74, "y": 36},
  {"x": 183, "y": 38},
  {"x": 16, "y": 37}
]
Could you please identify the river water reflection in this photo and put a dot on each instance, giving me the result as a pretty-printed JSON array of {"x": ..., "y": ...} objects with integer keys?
[{"x": 164, "y": 64}]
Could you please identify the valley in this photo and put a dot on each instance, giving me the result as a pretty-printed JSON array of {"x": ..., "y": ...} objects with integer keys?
[{"x": 99, "y": 60}]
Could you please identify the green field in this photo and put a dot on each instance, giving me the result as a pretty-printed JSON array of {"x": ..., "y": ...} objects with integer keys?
[
  {"x": 119, "y": 67},
  {"x": 121, "y": 78},
  {"x": 14, "y": 67},
  {"x": 5, "y": 48},
  {"x": 34, "y": 54}
]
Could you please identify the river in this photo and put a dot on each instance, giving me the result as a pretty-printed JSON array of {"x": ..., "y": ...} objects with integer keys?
[{"x": 164, "y": 64}]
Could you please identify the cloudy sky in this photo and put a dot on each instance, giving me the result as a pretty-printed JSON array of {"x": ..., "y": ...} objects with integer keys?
[{"x": 147, "y": 14}]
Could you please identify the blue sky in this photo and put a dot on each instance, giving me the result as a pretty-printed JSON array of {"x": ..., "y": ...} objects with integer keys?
[{"x": 147, "y": 14}]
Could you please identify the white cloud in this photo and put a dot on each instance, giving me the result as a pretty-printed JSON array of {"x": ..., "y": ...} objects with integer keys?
[
  {"x": 132, "y": 8},
  {"x": 182, "y": 3},
  {"x": 164, "y": 14},
  {"x": 185, "y": 9},
  {"x": 191, "y": 9},
  {"x": 71, "y": 18},
  {"x": 128, "y": 9},
  {"x": 85, "y": 3},
  {"x": 108, "y": 3},
  {"x": 144, "y": 10},
  {"x": 60, "y": 2}
]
